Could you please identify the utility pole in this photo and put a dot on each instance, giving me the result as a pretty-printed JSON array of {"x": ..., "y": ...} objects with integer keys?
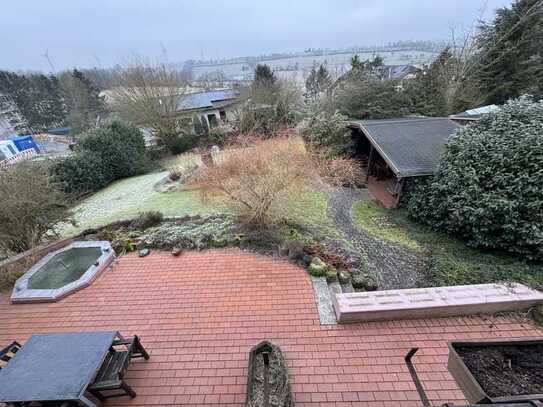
[{"x": 46, "y": 56}]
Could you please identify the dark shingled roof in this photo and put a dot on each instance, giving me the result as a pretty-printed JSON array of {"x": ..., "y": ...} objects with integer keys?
[
  {"x": 411, "y": 146},
  {"x": 204, "y": 100}
]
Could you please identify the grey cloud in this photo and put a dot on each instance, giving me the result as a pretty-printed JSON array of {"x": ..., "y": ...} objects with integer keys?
[{"x": 85, "y": 33}]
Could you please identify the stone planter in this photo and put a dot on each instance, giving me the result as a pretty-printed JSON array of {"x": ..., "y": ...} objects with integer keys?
[
  {"x": 498, "y": 371},
  {"x": 267, "y": 381}
]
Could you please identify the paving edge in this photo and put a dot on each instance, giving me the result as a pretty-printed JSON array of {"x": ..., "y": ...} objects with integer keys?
[{"x": 323, "y": 299}]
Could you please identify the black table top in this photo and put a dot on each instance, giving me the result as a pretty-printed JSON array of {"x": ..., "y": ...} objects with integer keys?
[{"x": 57, "y": 366}]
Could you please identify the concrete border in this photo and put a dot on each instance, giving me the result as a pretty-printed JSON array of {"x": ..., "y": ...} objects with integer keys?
[
  {"x": 21, "y": 292},
  {"x": 434, "y": 302},
  {"x": 323, "y": 300}
]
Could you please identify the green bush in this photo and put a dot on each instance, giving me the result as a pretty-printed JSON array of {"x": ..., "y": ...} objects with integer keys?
[
  {"x": 218, "y": 136},
  {"x": 147, "y": 219},
  {"x": 328, "y": 130},
  {"x": 369, "y": 98},
  {"x": 109, "y": 153},
  {"x": 488, "y": 188},
  {"x": 31, "y": 206},
  {"x": 79, "y": 173},
  {"x": 183, "y": 143}
]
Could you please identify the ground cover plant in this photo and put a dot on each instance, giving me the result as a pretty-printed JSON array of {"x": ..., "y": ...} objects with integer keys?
[{"x": 451, "y": 261}]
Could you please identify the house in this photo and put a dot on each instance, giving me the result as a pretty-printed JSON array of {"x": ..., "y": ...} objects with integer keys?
[
  {"x": 214, "y": 106},
  {"x": 394, "y": 150},
  {"x": 473, "y": 115},
  {"x": 17, "y": 148},
  {"x": 398, "y": 72}
]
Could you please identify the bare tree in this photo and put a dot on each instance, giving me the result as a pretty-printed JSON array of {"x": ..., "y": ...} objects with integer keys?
[{"x": 148, "y": 95}]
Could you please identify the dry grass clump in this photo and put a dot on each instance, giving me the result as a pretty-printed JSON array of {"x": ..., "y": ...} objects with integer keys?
[{"x": 259, "y": 181}]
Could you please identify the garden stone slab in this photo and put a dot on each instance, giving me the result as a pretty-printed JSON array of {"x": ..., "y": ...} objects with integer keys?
[
  {"x": 434, "y": 302},
  {"x": 323, "y": 298}
]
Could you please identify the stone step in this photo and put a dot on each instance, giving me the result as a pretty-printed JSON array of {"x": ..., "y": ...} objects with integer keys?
[{"x": 433, "y": 302}]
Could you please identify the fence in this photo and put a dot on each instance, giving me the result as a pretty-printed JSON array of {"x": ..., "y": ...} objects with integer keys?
[{"x": 22, "y": 156}]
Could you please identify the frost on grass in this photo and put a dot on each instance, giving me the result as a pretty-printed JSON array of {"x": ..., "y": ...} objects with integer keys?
[
  {"x": 127, "y": 198},
  {"x": 193, "y": 233}
]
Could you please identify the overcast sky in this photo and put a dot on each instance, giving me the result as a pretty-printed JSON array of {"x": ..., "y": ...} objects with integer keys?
[{"x": 86, "y": 33}]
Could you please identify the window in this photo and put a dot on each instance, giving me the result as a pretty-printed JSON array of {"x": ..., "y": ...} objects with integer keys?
[
  {"x": 212, "y": 120},
  {"x": 222, "y": 114}
]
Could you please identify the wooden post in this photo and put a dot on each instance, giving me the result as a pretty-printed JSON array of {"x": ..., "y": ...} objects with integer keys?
[
  {"x": 399, "y": 191},
  {"x": 370, "y": 160}
]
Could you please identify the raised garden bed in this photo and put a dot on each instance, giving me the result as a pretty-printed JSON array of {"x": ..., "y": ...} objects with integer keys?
[
  {"x": 498, "y": 371},
  {"x": 267, "y": 381}
]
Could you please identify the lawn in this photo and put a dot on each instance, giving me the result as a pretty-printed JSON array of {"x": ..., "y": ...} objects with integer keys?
[
  {"x": 127, "y": 198},
  {"x": 309, "y": 208},
  {"x": 451, "y": 261}
]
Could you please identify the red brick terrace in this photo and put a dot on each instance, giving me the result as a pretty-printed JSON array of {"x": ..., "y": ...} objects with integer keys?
[{"x": 199, "y": 314}]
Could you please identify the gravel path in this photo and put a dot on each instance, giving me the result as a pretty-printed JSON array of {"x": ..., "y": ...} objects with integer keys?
[{"x": 395, "y": 266}]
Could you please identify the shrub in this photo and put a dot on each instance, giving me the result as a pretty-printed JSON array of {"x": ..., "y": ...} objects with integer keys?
[
  {"x": 175, "y": 174},
  {"x": 327, "y": 130},
  {"x": 260, "y": 182},
  {"x": 182, "y": 143},
  {"x": 218, "y": 136},
  {"x": 112, "y": 152},
  {"x": 364, "y": 281},
  {"x": 30, "y": 206},
  {"x": 488, "y": 188},
  {"x": 121, "y": 147},
  {"x": 269, "y": 110},
  {"x": 147, "y": 219},
  {"x": 79, "y": 173},
  {"x": 372, "y": 99}
]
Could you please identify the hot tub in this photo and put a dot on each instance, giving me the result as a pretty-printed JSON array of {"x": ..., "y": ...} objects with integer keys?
[{"x": 63, "y": 272}]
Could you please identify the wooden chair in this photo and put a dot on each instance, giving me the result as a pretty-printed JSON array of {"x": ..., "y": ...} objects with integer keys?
[
  {"x": 109, "y": 380},
  {"x": 8, "y": 352}
]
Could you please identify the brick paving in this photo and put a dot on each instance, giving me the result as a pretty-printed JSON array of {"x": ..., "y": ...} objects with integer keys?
[{"x": 199, "y": 314}]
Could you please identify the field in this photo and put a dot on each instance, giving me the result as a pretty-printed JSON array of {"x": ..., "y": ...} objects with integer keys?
[{"x": 298, "y": 67}]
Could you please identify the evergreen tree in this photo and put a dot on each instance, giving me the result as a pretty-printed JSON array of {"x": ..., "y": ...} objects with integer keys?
[
  {"x": 265, "y": 85},
  {"x": 317, "y": 82},
  {"x": 362, "y": 92},
  {"x": 37, "y": 97},
  {"x": 264, "y": 76},
  {"x": 440, "y": 89},
  {"x": 511, "y": 56},
  {"x": 83, "y": 102}
]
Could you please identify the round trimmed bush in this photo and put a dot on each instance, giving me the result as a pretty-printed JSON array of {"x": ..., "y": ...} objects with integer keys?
[
  {"x": 112, "y": 152},
  {"x": 489, "y": 185}
]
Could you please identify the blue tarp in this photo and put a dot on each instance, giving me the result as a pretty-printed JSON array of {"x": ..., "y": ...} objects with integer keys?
[{"x": 25, "y": 143}]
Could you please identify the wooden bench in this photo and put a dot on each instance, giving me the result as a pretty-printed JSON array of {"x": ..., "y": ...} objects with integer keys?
[{"x": 109, "y": 381}]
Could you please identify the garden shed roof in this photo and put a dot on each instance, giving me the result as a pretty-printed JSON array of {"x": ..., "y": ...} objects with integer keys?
[
  {"x": 410, "y": 146},
  {"x": 205, "y": 100},
  {"x": 475, "y": 113}
]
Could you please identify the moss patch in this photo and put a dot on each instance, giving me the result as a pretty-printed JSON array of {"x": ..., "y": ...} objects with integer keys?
[
  {"x": 376, "y": 221},
  {"x": 308, "y": 208}
]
